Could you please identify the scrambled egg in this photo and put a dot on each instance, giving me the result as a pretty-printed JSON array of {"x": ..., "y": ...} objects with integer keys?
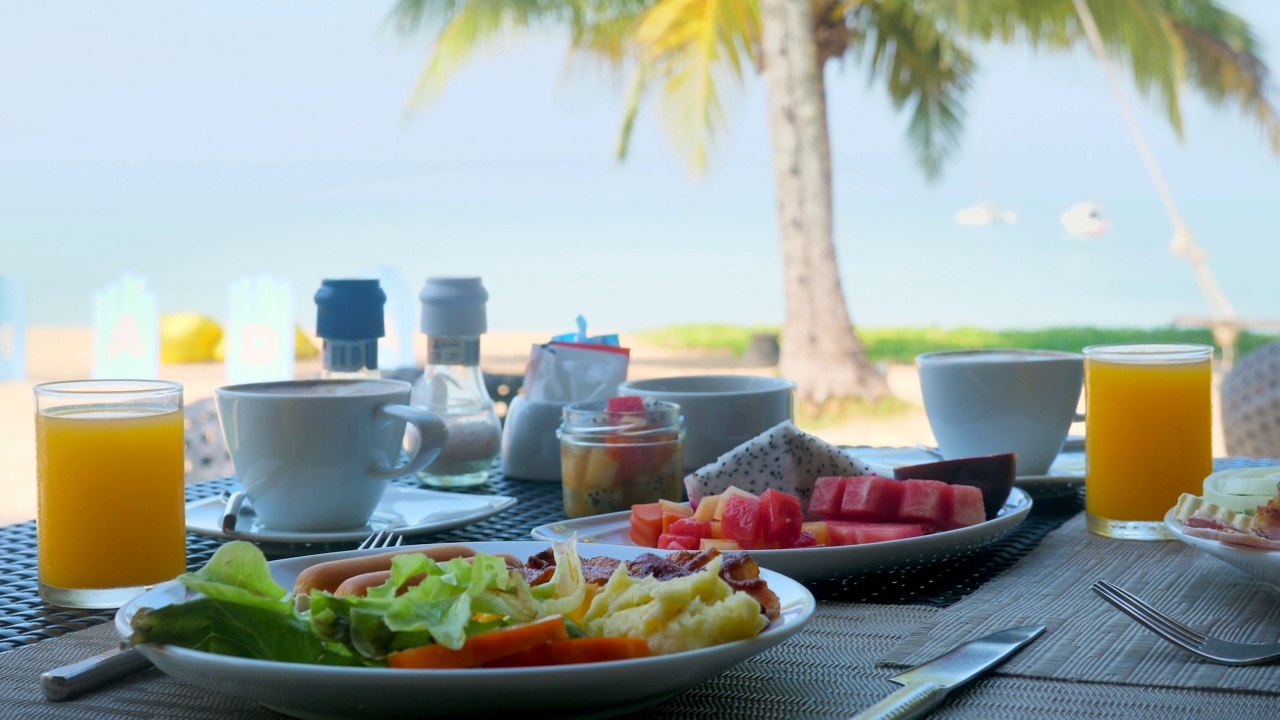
[{"x": 695, "y": 611}]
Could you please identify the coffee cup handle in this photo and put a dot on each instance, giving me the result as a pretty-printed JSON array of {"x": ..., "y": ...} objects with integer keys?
[{"x": 432, "y": 434}]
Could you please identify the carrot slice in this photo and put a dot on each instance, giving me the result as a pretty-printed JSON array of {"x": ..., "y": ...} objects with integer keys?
[
  {"x": 478, "y": 649},
  {"x": 574, "y": 651}
]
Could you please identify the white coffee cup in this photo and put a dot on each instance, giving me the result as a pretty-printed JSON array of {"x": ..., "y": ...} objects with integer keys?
[
  {"x": 986, "y": 402},
  {"x": 317, "y": 455},
  {"x": 720, "y": 411}
]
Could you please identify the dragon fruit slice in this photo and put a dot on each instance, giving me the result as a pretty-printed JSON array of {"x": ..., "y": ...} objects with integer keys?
[{"x": 782, "y": 458}]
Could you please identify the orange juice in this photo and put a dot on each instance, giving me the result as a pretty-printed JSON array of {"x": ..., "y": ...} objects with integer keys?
[
  {"x": 111, "y": 500},
  {"x": 1148, "y": 434}
]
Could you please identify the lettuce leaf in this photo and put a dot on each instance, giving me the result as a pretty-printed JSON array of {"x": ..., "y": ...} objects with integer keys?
[
  {"x": 438, "y": 609},
  {"x": 238, "y": 573},
  {"x": 244, "y": 612},
  {"x": 230, "y": 628}
]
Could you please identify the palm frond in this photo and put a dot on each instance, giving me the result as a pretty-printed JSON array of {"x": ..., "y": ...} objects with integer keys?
[
  {"x": 631, "y": 108},
  {"x": 702, "y": 49},
  {"x": 1165, "y": 45},
  {"x": 921, "y": 65},
  {"x": 465, "y": 27},
  {"x": 1224, "y": 62}
]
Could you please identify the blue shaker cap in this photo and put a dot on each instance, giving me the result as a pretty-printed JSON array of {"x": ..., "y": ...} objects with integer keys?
[{"x": 350, "y": 309}]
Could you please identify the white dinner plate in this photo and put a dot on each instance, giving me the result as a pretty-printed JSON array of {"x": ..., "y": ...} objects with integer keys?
[
  {"x": 819, "y": 563},
  {"x": 1261, "y": 563},
  {"x": 318, "y": 691},
  {"x": 403, "y": 509}
]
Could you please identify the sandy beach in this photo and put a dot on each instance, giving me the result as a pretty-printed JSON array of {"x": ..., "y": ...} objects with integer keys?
[{"x": 64, "y": 353}]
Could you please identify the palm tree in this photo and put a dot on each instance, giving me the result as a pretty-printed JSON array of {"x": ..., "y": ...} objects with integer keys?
[{"x": 699, "y": 51}]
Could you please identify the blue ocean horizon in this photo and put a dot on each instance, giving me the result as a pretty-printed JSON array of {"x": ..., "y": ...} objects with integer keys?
[{"x": 295, "y": 156}]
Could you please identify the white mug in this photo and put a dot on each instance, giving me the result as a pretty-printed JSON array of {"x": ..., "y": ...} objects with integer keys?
[
  {"x": 720, "y": 411},
  {"x": 987, "y": 402},
  {"x": 317, "y": 455}
]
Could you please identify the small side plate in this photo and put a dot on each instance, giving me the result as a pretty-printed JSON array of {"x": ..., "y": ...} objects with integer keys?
[{"x": 403, "y": 509}]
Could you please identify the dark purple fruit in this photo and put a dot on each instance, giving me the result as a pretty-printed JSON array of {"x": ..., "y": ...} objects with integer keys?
[{"x": 992, "y": 474}]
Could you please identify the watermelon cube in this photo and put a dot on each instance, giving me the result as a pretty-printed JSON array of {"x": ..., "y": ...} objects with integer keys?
[
  {"x": 846, "y": 532},
  {"x": 925, "y": 501},
  {"x": 690, "y": 527},
  {"x": 625, "y": 403},
  {"x": 966, "y": 507},
  {"x": 667, "y": 541},
  {"x": 828, "y": 492},
  {"x": 880, "y": 532},
  {"x": 871, "y": 498},
  {"x": 780, "y": 518},
  {"x": 741, "y": 520}
]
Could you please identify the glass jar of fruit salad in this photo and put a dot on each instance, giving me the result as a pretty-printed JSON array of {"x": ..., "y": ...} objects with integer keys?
[{"x": 620, "y": 453}]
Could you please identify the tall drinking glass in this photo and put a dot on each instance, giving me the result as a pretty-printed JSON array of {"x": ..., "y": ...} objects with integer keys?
[
  {"x": 1148, "y": 436},
  {"x": 109, "y": 466}
]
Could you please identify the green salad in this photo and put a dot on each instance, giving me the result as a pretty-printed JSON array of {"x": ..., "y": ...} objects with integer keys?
[{"x": 240, "y": 610}]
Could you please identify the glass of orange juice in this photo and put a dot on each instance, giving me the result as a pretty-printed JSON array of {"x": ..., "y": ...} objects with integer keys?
[
  {"x": 109, "y": 466},
  {"x": 1148, "y": 435}
]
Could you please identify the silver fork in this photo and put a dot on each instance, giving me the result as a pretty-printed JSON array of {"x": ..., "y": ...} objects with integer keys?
[
  {"x": 382, "y": 539},
  {"x": 1207, "y": 647}
]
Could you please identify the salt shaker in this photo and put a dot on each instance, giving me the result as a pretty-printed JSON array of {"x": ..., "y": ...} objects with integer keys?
[
  {"x": 349, "y": 319},
  {"x": 452, "y": 386}
]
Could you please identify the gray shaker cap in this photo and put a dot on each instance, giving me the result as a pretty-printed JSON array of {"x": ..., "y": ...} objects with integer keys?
[{"x": 454, "y": 307}]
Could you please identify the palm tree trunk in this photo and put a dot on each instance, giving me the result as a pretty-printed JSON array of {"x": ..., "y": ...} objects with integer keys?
[{"x": 819, "y": 348}]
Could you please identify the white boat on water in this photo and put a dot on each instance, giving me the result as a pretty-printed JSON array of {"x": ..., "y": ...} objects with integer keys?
[
  {"x": 986, "y": 214},
  {"x": 1085, "y": 220}
]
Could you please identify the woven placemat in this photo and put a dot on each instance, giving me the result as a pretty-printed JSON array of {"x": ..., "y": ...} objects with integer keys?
[
  {"x": 1088, "y": 639},
  {"x": 826, "y": 672}
]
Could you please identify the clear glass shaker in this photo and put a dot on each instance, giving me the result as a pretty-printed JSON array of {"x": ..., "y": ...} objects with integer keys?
[
  {"x": 349, "y": 318},
  {"x": 452, "y": 384}
]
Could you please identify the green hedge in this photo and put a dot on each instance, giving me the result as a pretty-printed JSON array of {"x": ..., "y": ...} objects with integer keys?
[{"x": 901, "y": 345}]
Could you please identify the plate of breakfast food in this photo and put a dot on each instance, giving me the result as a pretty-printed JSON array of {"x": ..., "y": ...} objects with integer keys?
[
  {"x": 1236, "y": 519},
  {"x": 483, "y": 629}
]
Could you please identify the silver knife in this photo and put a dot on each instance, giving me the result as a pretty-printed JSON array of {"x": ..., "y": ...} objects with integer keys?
[
  {"x": 91, "y": 673},
  {"x": 924, "y": 686}
]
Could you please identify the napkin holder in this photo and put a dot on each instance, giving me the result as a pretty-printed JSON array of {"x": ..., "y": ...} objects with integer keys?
[{"x": 530, "y": 448}]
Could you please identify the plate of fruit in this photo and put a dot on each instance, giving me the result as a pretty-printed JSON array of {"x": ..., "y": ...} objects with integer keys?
[{"x": 852, "y": 526}]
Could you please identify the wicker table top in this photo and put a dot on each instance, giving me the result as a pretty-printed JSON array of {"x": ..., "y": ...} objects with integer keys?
[
  {"x": 25, "y": 619},
  {"x": 829, "y": 670}
]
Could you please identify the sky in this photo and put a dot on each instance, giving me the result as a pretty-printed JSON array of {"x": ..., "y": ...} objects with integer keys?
[{"x": 198, "y": 143}]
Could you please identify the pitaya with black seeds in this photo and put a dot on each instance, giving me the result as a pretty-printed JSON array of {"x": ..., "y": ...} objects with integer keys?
[{"x": 783, "y": 458}]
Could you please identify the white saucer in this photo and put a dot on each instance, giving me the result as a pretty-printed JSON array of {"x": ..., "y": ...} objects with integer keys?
[{"x": 403, "y": 509}]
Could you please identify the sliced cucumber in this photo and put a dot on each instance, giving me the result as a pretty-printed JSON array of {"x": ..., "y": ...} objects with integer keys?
[{"x": 1242, "y": 489}]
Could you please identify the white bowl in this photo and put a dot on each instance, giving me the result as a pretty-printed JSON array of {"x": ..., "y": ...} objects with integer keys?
[{"x": 720, "y": 411}]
